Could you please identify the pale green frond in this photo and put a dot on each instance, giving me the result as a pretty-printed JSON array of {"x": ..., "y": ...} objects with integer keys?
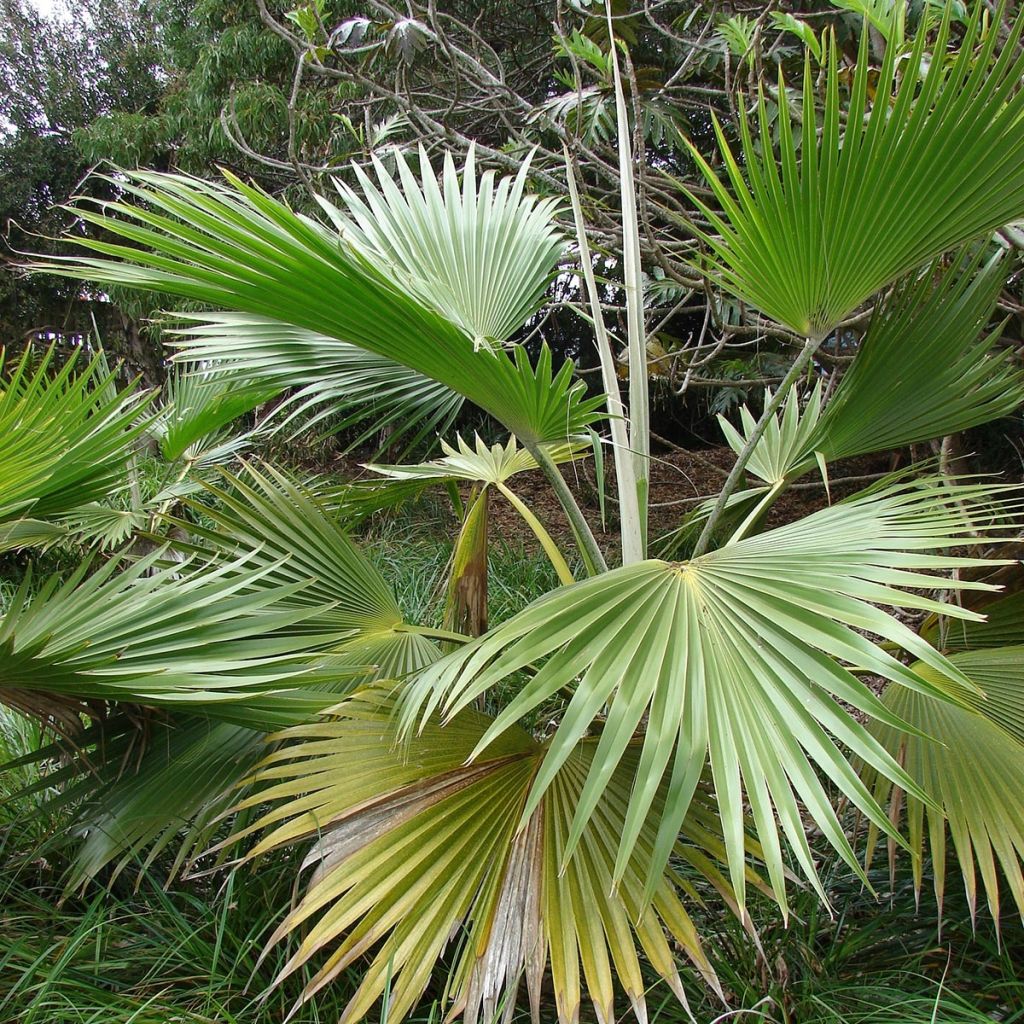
[
  {"x": 847, "y": 205},
  {"x": 234, "y": 247},
  {"x": 970, "y": 763},
  {"x": 179, "y": 636},
  {"x": 480, "y": 252},
  {"x": 482, "y": 463},
  {"x": 336, "y": 384},
  {"x": 414, "y": 847},
  {"x": 66, "y": 434},
  {"x": 741, "y": 654},
  {"x": 786, "y": 439}
]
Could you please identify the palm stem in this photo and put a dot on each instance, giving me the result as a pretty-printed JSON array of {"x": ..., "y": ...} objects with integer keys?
[
  {"x": 589, "y": 547},
  {"x": 771, "y": 407}
]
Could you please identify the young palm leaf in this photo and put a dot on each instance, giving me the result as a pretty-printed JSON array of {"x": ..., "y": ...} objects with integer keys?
[
  {"x": 492, "y": 467},
  {"x": 808, "y": 234},
  {"x": 234, "y": 247},
  {"x": 739, "y": 654},
  {"x": 414, "y": 845},
  {"x": 969, "y": 761}
]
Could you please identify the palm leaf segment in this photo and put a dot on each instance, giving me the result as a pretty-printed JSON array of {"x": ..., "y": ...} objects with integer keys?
[
  {"x": 335, "y": 383},
  {"x": 925, "y": 369},
  {"x": 236, "y": 248},
  {"x": 280, "y": 529},
  {"x": 175, "y": 637},
  {"x": 415, "y": 845},
  {"x": 65, "y": 436},
  {"x": 809, "y": 234},
  {"x": 969, "y": 762},
  {"x": 738, "y": 654}
]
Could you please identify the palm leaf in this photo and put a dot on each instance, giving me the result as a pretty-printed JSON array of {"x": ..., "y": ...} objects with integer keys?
[
  {"x": 1002, "y": 626},
  {"x": 234, "y": 247},
  {"x": 337, "y": 384},
  {"x": 969, "y": 761},
  {"x": 922, "y": 371},
  {"x": 739, "y": 653},
  {"x": 65, "y": 437},
  {"x": 206, "y": 637},
  {"x": 413, "y": 846},
  {"x": 196, "y": 409},
  {"x": 481, "y": 254},
  {"x": 808, "y": 234},
  {"x": 925, "y": 368}
]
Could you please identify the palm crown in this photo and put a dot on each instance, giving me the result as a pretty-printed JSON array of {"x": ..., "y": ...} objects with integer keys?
[{"x": 703, "y": 706}]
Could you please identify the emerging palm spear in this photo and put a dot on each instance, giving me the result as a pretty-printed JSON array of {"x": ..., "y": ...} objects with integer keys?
[{"x": 702, "y": 708}]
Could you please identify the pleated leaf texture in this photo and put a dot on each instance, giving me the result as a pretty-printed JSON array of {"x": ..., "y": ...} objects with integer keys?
[
  {"x": 741, "y": 655},
  {"x": 414, "y": 846},
  {"x": 809, "y": 232},
  {"x": 236, "y": 248}
]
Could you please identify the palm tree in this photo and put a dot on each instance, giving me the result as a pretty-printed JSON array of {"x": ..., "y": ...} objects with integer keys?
[{"x": 703, "y": 706}]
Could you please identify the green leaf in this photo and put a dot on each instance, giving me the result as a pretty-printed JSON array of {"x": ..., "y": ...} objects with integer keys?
[
  {"x": 334, "y": 381},
  {"x": 925, "y": 368},
  {"x": 482, "y": 253},
  {"x": 483, "y": 464},
  {"x": 413, "y": 846},
  {"x": 65, "y": 437},
  {"x": 739, "y": 654},
  {"x": 196, "y": 409},
  {"x": 234, "y": 247},
  {"x": 970, "y": 764},
  {"x": 206, "y": 637},
  {"x": 809, "y": 233}
]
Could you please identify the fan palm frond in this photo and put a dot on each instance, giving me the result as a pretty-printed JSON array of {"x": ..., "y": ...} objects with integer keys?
[
  {"x": 808, "y": 233},
  {"x": 739, "y": 653}
]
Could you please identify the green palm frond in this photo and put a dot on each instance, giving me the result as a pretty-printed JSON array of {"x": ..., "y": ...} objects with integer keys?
[
  {"x": 739, "y": 653},
  {"x": 414, "y": 845},
  {"x": 809, "y": 233},
  {"x": 140, "y": 789},
  {"x": 969, "y": 761},
  {"x": 925, "y": 368},
  {"x": 490, "y": 467},
  {"x": 786, "y": 442},
  {"x": 196, "y": 409},
  {"x": 66, "y": 435},
  {"x": 335, "y": 381},
  {"x": 181, "y": 637},
  {"x": 277, "y": 525},
  {"x": 481, "y": 253},
  {"x": 234, "y": 247}
]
